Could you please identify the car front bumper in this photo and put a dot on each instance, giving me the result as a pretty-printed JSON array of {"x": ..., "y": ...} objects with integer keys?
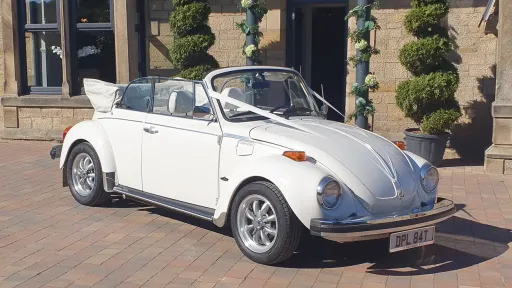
[
  {"x": 55, "y": 152},
  {"x": 369, "y": 228}
]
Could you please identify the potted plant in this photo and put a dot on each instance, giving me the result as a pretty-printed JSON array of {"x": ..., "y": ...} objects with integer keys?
[{"x": 429, "y": 97}]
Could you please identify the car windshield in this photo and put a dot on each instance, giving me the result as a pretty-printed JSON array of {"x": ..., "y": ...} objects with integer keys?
[{"x": 280, "y": 92}]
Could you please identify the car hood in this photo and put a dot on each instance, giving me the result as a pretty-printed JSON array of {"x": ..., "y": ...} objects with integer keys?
[{"x": 375, "y": 169}]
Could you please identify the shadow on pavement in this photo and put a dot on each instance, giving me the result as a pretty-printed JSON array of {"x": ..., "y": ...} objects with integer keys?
[{"x": 460, "y": 243}]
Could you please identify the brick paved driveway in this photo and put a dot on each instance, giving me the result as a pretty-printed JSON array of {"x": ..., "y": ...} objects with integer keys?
[{"x": 47, "y": 239}]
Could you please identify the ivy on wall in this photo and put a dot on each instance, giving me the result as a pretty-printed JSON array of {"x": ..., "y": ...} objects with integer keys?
[
  {"x": 364, "y": 107},
  {"x": 257, "y": 7}
]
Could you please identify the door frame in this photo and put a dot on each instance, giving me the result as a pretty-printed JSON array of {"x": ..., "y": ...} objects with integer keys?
[{"x": 290, "y": 49}]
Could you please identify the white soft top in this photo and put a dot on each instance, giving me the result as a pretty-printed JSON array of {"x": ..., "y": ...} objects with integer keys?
[{"x": 102, "y": 94}]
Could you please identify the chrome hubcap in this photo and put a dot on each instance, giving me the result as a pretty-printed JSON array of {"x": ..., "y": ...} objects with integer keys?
[
  {"x": 84, "y": 175},
  {"x": 257, "y": 223}
]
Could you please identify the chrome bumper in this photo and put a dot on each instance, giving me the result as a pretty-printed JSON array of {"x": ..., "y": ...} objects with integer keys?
[{"x": 369, "y": 228}]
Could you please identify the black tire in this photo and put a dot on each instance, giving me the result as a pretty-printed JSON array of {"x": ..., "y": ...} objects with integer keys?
[
  {"x": 290, "y": 228},
  {"x": 97, "y": 196}
]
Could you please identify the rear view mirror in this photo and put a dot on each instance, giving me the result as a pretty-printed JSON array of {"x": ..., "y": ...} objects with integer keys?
[
  {"x": 260, "y": 85},
  {"x": 325, "y": 109}
]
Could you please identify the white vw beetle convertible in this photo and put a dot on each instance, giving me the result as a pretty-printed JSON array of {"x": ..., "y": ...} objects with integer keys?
[{"x": 248, "y": 147}]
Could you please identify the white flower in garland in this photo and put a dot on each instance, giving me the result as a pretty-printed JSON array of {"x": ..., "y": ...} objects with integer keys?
[
  {"x": 249, "y": 50},
  {"x": 361, "y": 45},
  {"x": 247, "y": 3},
  {"x": 371, "y": 80},
  {"x": 360, "y": 102}
]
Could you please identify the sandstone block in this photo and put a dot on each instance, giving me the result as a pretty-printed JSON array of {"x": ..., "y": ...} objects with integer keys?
[
  {"x": 25, "y": 123},
  {"x": 63, "y": 123},
  {"x": 51, "y": 112},
  {"x": 83, "y": 113},
  {"x": 495, "y": 166},
  {"x": 10, "y": 117},
  {"x": 29, "y": 112},
  {"x": 67, "y": 113},
  {"x": 42, "y": 123}
]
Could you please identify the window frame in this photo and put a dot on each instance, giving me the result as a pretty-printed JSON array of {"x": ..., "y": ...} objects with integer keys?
[
  {"x": 193, "y": 82},
  {"x": 153, "y": 80},
  {"x": 75, "y": 27},
  {"x": 25, "y": 28}
]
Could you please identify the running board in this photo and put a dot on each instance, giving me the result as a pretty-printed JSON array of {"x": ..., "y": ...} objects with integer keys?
[{"x": 186, "y": 208}]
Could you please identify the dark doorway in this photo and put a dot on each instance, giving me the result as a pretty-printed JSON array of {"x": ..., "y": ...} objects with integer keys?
[
  {"x": 140, "y": 28},
  {"x": 318, "y": 50},
  {"x": 328, "y": 56}
]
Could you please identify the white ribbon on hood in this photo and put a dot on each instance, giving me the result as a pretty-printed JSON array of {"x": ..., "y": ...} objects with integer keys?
[{"x": 261, "y": 112}]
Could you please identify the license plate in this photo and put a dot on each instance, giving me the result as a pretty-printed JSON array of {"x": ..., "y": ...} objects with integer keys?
[{"x": 411, "y": 239}]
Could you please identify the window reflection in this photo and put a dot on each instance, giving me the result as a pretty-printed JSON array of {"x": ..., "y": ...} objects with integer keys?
[
  {"x": 44, "y": 63},
  {"x": 96, "y": 55},
  {"x": 93, "y": 11},
  {"x": 41, "y": 11}
]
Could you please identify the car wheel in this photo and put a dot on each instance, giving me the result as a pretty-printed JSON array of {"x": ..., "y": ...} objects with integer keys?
[
  {"x": 263, "y": 225},
  {"x": 84, "y": 176}
]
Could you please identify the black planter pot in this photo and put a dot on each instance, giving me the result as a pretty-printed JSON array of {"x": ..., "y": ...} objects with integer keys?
[{"x": 429, "y": 147}]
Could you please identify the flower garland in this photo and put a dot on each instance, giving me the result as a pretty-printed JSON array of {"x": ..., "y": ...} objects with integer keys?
[
  {"x": 366, "y": 51},
  {"x": 257, "y": 7}
]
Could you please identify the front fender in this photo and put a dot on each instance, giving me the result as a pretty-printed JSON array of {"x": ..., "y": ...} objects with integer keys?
[
  {"x": 92, "y": 132},
  {"x": 297, "y": 181}
]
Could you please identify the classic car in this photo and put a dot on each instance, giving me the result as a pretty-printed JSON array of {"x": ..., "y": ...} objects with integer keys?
[{"x": 249, "y": 147}]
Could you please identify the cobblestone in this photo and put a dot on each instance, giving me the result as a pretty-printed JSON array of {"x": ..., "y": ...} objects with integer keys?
[{"x": 48, "y": 240}]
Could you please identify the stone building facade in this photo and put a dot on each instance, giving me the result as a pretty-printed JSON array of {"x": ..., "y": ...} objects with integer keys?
[{"x": 30, "y": 115}]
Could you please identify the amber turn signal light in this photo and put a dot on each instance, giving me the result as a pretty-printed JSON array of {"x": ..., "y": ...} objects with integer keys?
[
  {"x": 66, "y": 132},
  {"x": 400, "y": 144},
  {"x": 296, "y": 155}
]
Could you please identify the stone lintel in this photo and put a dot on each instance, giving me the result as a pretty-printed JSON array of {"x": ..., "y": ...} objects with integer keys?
[{"x": 51, "y": 101}]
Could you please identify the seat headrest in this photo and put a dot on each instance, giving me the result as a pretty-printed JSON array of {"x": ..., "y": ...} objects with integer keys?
[
  {"x": 181, "y": 102},
  {"x": 235, "y": 93}
]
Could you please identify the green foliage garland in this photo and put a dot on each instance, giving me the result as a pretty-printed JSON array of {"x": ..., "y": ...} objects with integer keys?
[
  {"x": 429, "y": 98},
  {"x": 257, "y": 7},
  {"x": 363, "y": 107},
  {"x": 192, "y": 39}
]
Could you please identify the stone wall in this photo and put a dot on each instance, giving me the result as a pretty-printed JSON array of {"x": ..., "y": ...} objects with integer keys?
[
  {"x": 229, "y": 39},
  {"x": 475, "y": 56},
  {"x": 45, "y": 123}
]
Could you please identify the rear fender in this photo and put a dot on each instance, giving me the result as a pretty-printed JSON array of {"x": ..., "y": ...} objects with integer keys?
[{"x": 92, "y": 132}]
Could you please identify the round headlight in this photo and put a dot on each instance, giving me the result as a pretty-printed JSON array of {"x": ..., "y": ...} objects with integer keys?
[
  {"x": 328, "y": 193},
  {"x": 429, "y": 178}
]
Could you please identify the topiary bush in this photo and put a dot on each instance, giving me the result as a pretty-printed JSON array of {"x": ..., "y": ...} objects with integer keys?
[
  {"x": 192, "y": 39},
  {"x": 429, "y": 98}
]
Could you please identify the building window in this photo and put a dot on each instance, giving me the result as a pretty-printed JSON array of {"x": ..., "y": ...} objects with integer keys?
[
  {"x": 41, "y": 26},
  {"x": 93, "y": 41}
]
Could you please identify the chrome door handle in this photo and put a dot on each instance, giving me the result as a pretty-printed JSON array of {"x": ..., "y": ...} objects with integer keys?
[{"x": 150, "y": 130}]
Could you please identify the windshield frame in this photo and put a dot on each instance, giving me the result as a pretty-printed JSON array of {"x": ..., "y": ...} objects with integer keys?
[{"x": 259, "y": 117}]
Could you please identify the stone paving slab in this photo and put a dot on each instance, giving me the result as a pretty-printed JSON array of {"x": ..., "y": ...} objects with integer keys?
[{"x": 49, "y": 240}]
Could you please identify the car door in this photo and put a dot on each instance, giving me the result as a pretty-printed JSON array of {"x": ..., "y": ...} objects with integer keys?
[
  {"x": 124, "y": 128},
  {"x": 181, "y": 144}
]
